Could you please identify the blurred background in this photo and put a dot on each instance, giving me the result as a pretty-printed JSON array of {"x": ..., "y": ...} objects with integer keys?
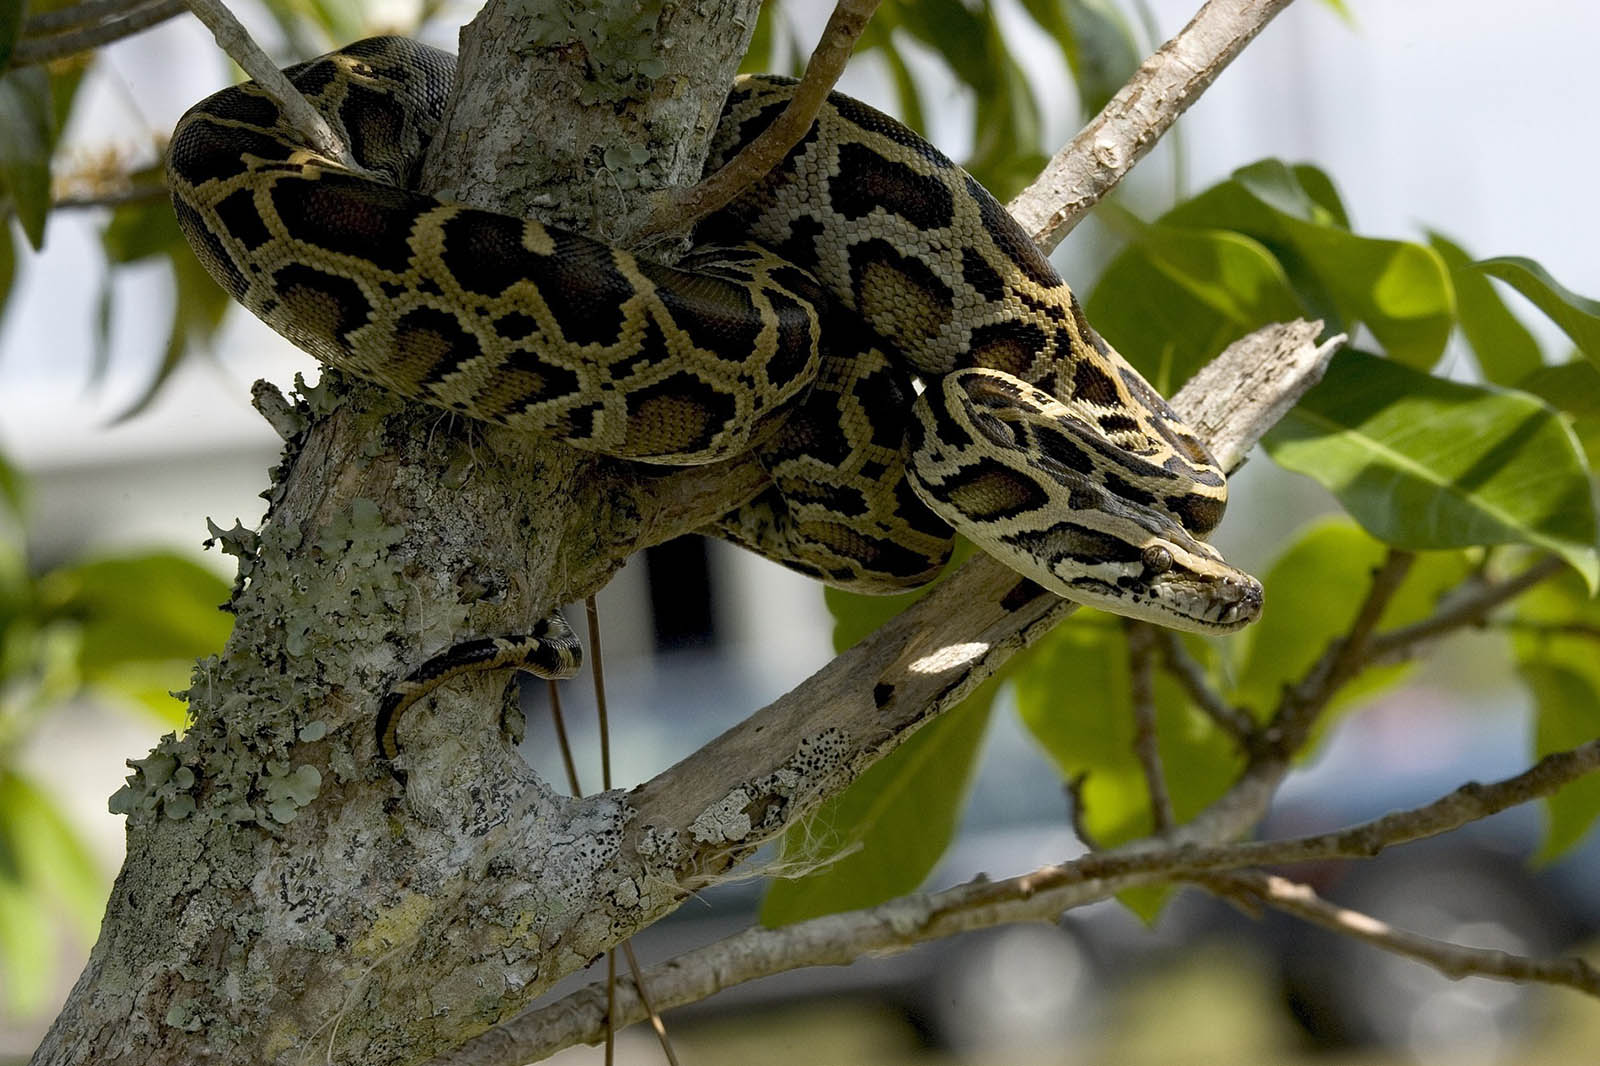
[{"x": 1459, "y": 115}]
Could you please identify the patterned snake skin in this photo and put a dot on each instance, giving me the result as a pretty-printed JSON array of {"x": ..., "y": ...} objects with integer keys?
[{"x": 867, "y": 319}]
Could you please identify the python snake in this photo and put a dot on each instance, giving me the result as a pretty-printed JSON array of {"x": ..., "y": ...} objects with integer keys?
[{"x": 867, "y": 319}]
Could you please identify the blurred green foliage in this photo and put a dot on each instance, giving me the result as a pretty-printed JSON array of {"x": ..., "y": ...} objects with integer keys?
[{"x": 125, "y": 629}]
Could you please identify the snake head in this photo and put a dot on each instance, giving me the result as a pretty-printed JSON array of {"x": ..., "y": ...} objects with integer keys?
[{"x": 1034, "y": 483}]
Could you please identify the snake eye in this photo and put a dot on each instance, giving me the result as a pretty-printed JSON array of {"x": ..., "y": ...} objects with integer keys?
[{"x": 1157, "y": 560}]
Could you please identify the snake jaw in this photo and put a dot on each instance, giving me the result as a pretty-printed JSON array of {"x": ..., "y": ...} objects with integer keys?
[
  {"x": 1031, "y": 480},
  {"x": 1198, "y": 594}
]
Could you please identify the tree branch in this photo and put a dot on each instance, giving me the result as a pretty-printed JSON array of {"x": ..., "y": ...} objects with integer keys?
[
  {"x": 1146, "y": 743},
  {"x": 1233, "y": 721},
  {"x": 232, "y": 38},
  {"x": 1470, "y": 609},
  {"x": 839, "y": 939},
  {"x": 1345, "y": 657},
  {"x": 678, "y": 209},
  {"x": 1131, "y": 123},
  {"x": 1453, "y": 960},
  {"x": 113, "y": 20}
]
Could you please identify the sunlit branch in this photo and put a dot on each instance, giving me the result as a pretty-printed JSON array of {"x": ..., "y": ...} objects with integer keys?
[
  {"x": 1131, "y": 123},
  {"x": 236, "y": 41},
  {"x": 1452, "y": 960}
]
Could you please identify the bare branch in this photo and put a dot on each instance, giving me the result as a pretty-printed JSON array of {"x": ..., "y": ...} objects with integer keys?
[
  {"x": 1551, "y": 629},
  {"x": 1130, "y": 124},
  {"x": 1040, "y": 896},
  {"x": 1233, "y": 721},
  {"x": 1146, "y": 745},
  {"x": 149, "y": 192},
  {"x": 1452, "y": 960},
  {"x": 1468, "y": 610},
  {"x": 236, "y": 41},
  {"x": 125, "y": 19},
  {"x": 1345, "y": 657},
  {"x": 678, "y": 209}
]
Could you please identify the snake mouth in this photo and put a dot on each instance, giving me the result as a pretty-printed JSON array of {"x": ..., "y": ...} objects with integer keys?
[{"x": 1214, "y": 605}]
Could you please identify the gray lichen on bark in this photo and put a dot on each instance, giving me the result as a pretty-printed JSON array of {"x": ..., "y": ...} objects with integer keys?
[{"x": 283, "y": 897}]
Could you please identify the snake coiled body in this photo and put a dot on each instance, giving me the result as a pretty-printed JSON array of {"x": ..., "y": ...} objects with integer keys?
[{"x": 811, "y": 311}]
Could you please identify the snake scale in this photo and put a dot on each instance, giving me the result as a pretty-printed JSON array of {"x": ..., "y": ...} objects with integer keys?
[{"x": 867, "y": 319}]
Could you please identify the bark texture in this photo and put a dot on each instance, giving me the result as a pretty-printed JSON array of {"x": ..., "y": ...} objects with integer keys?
[{"x": 283, "y": 897}]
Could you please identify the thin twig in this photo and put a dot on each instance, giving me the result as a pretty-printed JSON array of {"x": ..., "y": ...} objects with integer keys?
[
  {"x": 559, "y": 720},
  {"x": 236, "y": 41},
  {"x": 47, "y": 22},
  {"x": 598, "y": 671},
  {"x": 1467, "y": 610},
  {"x": 1453, "y": 960},
  {"x": 644, "y": 998},
  {"x": 1039, "y": 896},
  {"x": 1131, "y": 123},
  {"x": 1191, "y": 677},
  {"x": 679, "y": 209},
  {"x": 1582, "y": 630},
  {"x": 42, "y": 49},
  {"x": 133, "y": 194},
  {"x": 1146, "y": 745},
  {"x": 1345, "y": 657}
]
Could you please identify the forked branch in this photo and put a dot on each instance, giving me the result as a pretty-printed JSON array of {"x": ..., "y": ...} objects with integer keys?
[{"x": 1042, "y": 896}]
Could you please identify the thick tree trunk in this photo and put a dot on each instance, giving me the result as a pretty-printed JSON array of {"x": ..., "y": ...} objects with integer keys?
[{"x": 283, "y": 898}]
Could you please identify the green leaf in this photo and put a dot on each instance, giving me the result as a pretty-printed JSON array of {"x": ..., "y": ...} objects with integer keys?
[
  {"x": 46, "y": 875},
  {"x": 1556, "y": 641},
  {"x": 1505, "y": 350},
  {"x": 1422, "y": 462},
  {"x": 1568, "y": 704},
  {"x": 1074, "y": 697},
  {"x": 12, "y": 488},
  {"x": 139, "y": 609},
  {"x": 889, "y": 827},
  {"x": 1320, "y": 188},
  {"x": 1573, "y": 388},
  {"x": 1313, "y": 592},
  {"x": 141, "y": 231},
  {"x": 1276, "y": 186},
  {"x": 1096, "y": 41},
  {"x": 50, "y": 856},
  {"x": 27, "y": 137},
  {"x": 1176, "y": 297},
  {"x": 1578, "y": 317},
  {"x": 25, "y": 950},
  {"x": 1398, "y": 289}
]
